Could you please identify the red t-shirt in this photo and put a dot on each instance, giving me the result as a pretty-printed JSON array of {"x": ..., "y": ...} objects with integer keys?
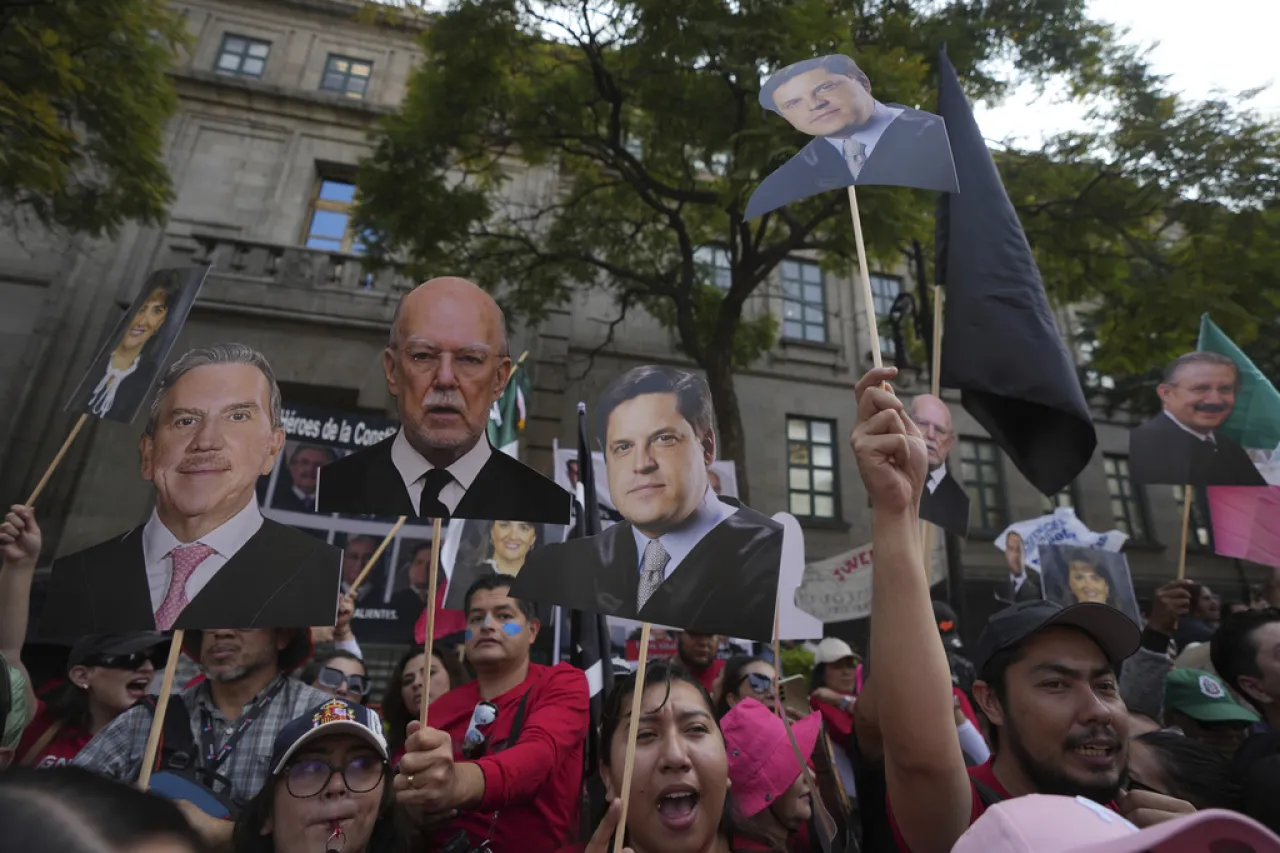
[
  {"x": 706, "y": 677},
  {"x": 838, "y": 723},
  {"x": 535, "y": 785},
  {"x": 59, "y": 751},
  {"x": 984, "y": 774}
]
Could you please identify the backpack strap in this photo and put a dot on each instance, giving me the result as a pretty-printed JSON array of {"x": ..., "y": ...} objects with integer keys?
[
  {"x": 986, "y": 794},
  {"x": 177, "y": 749}
]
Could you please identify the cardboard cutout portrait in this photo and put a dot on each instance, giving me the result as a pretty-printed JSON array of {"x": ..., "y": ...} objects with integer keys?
[
  {"x": 1074, "y": 574},
  {"x": 116, "y": 383},
  {"x": 1185, "y": 444},
  {"x": 206, "y": 558},
  {"x": 857, "y": 140},
  {"x": 682, "y": 556},
  {"x": 493, "y": 548},
  {"x": 446, "y": 364},
  {"x": 943, "y": 501}
]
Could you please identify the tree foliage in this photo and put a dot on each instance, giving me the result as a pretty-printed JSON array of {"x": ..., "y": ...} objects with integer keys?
[
  {"x": 642, "y": 117},
  {"x": 84, "y": 96}
]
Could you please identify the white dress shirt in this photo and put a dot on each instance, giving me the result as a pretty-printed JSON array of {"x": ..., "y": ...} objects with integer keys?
[
  {"x": 935, "y": 478},
  {"x": 413, "y": 467},
  {"x": 1203, "y": 436},
  {"x": 868, "y": 134},
  {"x": 678, "y": 543},
  {"x": 226, "y": 541}
]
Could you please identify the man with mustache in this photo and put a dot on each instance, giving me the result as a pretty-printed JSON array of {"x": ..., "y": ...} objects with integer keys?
[
  {"x": 446, "y": 363},
  {"x": 206, "y": 557},
  {"x": 680, "y": 546},
  {"x": 1182, "y": 444},
  {"x": 943, "y": 501},
  {"x": 858, "y": 140}
]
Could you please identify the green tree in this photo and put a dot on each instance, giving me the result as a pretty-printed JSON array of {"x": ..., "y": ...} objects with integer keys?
[
  {"x": 648, "y": 122},
  {"x": 84, "y": 97}
]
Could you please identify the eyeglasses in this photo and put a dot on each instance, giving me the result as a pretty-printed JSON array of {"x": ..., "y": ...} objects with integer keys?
[
  {"x": 333, "y": 678},
  {"x": 759, "y": 683},
  {"x": 309, "y": 777},
  {"x": 484, "y": 715},
  {"x": 127, "y": 662}
]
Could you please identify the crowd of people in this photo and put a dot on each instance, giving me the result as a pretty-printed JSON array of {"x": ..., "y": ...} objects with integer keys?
[{"x": 1167, "y": 733}]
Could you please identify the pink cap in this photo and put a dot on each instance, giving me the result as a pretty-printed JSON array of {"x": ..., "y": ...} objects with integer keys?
[
  {"x": 1038, "y": 823},
  {"x": 762, "y": 764}
]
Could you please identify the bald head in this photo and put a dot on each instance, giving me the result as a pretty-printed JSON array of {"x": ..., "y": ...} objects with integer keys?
[
  {"x": 934, "y": 419},
  {"x": 450, "y": 289}
]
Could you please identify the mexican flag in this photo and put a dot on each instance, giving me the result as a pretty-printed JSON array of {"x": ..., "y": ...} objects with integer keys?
[
  {"x": 1255, "y": 421},
  {"x": 508, "y": 415}
]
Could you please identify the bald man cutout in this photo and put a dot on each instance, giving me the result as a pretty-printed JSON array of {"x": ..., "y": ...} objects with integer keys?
[
  {"x": 943, "y": 502},
  {"x": 446, "y": 364}
]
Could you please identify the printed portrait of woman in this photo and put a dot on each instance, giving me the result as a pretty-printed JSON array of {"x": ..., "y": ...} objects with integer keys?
[
  {"x": 488, "y": 548},
  {"x": 1074, "y": 575},
  {"x": 124, "y": 370}
]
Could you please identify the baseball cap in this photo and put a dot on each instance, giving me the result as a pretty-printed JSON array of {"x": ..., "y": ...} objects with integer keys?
[
  {"x": 331, "y": 717},
  {"x": 119, "y": 644},
  {"x": 762, "y": 764},
  {"x": 1039, "y": 823},
  {"x": 1202, "y": 697},
  {"x": 948, "y": 624},
  {"x": 1116, "y": 633},
  {"x": 831, "y": 650}
]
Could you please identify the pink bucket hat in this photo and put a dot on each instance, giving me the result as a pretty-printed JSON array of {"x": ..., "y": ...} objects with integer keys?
[
  {"x": 1046, "y": 824},
  {"x": 762, "y": 764}
]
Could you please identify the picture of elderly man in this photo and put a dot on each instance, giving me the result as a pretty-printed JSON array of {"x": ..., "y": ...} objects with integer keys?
[{"x": 943, "y": 501}]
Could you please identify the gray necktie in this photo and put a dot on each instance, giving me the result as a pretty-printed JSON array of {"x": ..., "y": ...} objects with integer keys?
[
  {"x": 855, "y": 154},
  {"x": 655, "y": 560}
]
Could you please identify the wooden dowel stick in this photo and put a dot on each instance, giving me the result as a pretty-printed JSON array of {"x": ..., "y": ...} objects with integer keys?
[
  {"x": 57, "y": 460},
  {"x": 935, "y": 375},
  {"x": 864, "y": 276},
  {"x": 386, "y": 540},
  {"x": 926, "y": 543},
  {"x": 162, "y": 706},
  {"x": 431, "y": 616},
  {"x": 1186, "y": 524},
  {"x": 633, "y": 726}
]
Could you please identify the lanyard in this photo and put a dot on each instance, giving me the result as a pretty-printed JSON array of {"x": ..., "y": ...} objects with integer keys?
[{"x": 213, "y": 759}]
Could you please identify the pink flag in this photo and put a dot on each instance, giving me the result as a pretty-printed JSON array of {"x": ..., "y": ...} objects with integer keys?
[{"x": 1246, "y": 522}]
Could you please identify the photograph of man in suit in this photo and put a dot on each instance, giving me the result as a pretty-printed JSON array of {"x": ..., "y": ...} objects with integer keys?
[
  {"x": 446, "y": 364},
  {"x": 943, "y": 501},
  {"x": 206, "y": 558},
  {"x": 682, "y": 556},
  {"x": 1182, "y": 445},
  {"x": 858, "y": 140},
  {"x": 296, "y": 485},
  {"x": 1024, "y": 581}
]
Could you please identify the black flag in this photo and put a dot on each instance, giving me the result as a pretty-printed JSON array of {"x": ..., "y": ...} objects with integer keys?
[{"x": 1000, "y": 346}]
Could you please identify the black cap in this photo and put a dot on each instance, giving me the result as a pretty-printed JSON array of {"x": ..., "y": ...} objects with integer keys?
[
  {"x": 947, "y": 623},
  {"x": 119, "y": 644},
  {"x": 1114, "y": 632}
]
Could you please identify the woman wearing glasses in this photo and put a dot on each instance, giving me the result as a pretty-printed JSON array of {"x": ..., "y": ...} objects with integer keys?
[
  {"x": 339, "y": 673},
  {"x": 746, "y": 676}
]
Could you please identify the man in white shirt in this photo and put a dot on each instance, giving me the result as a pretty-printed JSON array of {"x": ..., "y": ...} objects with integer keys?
[
  {"x": 446, "y": 363},
  {"x": 944, "y": 501},
  {"x": 206, "y": 558}
]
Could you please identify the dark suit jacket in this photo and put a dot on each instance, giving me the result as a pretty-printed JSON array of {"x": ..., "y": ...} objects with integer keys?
[
  {"x": 727, "y": 584},
  {"x": 1162, "y": 452},
  {"x": 1032, "y": 588},
  {"x": 281, "y": 578},
  {"x": 947, "y": 507},
  {"x": 284, "y": 498},
  {"x": 367, "y": 483},
  {"x": 913, "y": 151}
]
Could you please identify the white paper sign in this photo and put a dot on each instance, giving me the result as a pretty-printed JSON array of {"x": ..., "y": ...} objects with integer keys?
[{"x": 1061, "y": 528}]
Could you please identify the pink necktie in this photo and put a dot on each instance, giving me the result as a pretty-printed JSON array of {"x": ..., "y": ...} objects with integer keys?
[{"x": 186, "y": 559}]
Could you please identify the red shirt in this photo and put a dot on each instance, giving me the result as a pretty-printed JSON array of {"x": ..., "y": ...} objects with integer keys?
[
  {"x": 535, "y": 785},
  {"x": 838, "y": 723},
  {"x": 59, "y": 751},
  {"x": 984, "y": 774},
  {"x": 966, "y": 707},
  {"x": 706, "y": 677},
  {"x": 447, "y": 621}
]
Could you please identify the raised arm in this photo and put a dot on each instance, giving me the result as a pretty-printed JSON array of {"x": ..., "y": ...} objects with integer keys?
[
  {"x": 19, "y": 549},
  {"x": 929, "y": 789}
]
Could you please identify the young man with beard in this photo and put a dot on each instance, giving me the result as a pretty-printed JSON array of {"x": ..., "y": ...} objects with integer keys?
[
  {"x": 699, "y": 654},
  {"x": 1046, "y": 675}
]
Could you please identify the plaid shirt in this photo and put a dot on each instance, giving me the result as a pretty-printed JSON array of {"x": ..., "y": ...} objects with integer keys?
[{"x": 116, "y": 751}]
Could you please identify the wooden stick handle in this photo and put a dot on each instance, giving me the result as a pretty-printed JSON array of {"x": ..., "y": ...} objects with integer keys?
[
  {"x": 57, "y": 460},
  {"x": 935, "y": 372},
  {"x": 162, "y": 706},
  {"x": 926, "y": 544},
  {"x": 864, "y": 276},
  {"x": 633, "y": 726},
  {"x": 1186, "y": 524},
  {"x": 386, "y": 540},
  {"x": 429, "y": 640}
]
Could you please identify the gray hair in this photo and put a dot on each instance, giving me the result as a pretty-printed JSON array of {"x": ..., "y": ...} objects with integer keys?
[
  {"x": 1200, "y": 357},
  {"x": 216, "y": 354}
]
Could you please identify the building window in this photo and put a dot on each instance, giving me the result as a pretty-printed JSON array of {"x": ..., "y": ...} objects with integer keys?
[
  {"x": 811, "y": 468},
  {"x": 1127, "y": 503},
  {"x": 1200, "y": 534},
  {"x": 714, "y": 265},
  {"x": 241, "y": 56},
  {"x": 330, "y": 227},
  {"x": 804, "y": 302},
  {"x": 346, "y": 76},
  {"x": 982, "y": 472},
  {"x": 884, "y": 290},
  {"x": 1064, "y": 498}
]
